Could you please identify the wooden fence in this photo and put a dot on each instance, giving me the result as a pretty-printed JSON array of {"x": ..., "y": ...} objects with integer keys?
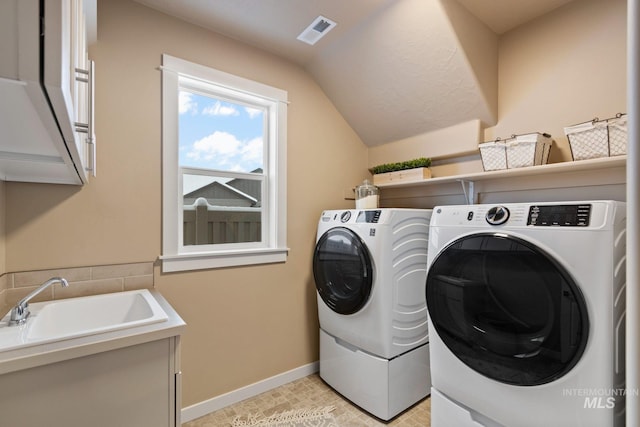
[{"x": 206, "y": 224}]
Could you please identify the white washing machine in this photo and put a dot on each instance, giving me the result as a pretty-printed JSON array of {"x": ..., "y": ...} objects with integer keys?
[
  {"x": 370, "y": 268},
  {"x": 526, "y": 312}
]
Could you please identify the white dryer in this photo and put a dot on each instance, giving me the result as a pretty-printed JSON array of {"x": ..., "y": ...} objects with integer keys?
[
  {"x": 526, "y": 310},
  {"x": 370, "y": 268}
]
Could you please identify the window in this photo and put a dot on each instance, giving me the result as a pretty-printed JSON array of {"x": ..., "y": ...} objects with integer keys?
[{"x": 224, "y": 169}]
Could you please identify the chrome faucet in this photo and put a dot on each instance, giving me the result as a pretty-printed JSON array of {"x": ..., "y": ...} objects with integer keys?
[{"x": 20, "y": 312}]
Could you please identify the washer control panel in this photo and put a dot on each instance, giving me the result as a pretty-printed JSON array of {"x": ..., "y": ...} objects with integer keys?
[
  {"x": 559, "y": 215},
  {"x": 588, "y": 214},
  {"x": 497, "y": 215}
]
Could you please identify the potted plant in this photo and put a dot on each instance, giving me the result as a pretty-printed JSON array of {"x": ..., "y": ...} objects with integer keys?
[{"x": 407, "y": 171}]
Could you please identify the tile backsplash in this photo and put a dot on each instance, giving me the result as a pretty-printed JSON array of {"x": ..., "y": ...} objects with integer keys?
[{"x": 83, "y": 281}]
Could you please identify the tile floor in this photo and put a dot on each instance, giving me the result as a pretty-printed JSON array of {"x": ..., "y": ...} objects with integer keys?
[{"x": 311, "y": 392}]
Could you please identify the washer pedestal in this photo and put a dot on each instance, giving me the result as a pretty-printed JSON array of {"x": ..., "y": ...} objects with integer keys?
[{"x": 380, "y": 386}]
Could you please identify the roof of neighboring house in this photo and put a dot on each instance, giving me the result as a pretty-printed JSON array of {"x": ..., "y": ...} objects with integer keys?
[
  {"x": 218, "y": 190},
  {"x": 248, "y": 186},
  {"x": 241, "y": 188}
]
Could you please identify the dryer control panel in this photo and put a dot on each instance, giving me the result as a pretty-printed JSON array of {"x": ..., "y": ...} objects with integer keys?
[
  {"x": 559, "y": 215},
  {"x": 368, "y": 216},
  {"x": 351, "y": 216}
]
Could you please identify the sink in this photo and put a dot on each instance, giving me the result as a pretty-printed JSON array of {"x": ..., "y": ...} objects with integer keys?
[{"x": 76, "y": 317}]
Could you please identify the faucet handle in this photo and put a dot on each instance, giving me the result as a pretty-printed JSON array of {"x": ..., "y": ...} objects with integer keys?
[{"x": 20, "y": 312}]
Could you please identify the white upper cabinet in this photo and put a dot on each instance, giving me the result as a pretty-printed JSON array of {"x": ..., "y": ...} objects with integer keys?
[{"x": 46, "y": 91}]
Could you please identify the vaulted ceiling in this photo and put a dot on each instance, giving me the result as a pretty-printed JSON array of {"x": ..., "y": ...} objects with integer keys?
[{"x": 393, "y": 68}]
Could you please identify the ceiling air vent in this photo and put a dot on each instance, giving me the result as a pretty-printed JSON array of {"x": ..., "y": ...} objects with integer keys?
[{"x": 316, "y": 30}]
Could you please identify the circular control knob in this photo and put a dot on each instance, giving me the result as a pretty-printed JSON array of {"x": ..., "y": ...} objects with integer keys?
[
  {"x": 497, "y": 215},
  {"x": 344, "y": 217}
]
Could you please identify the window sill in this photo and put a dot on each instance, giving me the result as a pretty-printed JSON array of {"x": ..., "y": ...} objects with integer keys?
[{"x": 206, "y": 260}]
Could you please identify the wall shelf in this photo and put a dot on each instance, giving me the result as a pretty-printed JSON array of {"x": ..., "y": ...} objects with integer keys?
[{"x": 555, "y": 175}]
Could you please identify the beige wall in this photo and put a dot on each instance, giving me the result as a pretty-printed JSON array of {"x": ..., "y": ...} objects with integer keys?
[
  {"x": 452, "y": 142},
  {"x": 244, "y": 324},
  {"x": 563, "y": 68}
]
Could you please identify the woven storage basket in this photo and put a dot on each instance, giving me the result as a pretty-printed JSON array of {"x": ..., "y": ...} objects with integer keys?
[
  {"x": 617, "y": 128},
  {"x": 598, "y": 138},
  {"x": 493, "y": 155},
  {"x": 519, "y": 151},
  {"x": 530, "y": 149}
]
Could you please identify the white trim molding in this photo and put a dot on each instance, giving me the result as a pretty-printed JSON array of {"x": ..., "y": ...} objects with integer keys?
[
  {"x": 206, "y": 407},
  {"x": 271, "y": 247}
]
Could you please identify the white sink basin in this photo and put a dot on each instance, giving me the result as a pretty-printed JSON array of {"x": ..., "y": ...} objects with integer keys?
[{"x": 76, "y": 317}]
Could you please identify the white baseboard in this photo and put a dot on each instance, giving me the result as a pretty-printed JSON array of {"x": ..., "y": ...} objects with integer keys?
[{"x": 205, "y": 407}]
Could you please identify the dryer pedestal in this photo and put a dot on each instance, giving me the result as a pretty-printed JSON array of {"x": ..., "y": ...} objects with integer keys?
[
  {"x": 380, "y": 386},
  {"x": 444, "y": 412}
]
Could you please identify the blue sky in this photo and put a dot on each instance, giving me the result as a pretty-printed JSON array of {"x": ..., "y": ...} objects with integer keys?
[{"x": 215, "y": 134}]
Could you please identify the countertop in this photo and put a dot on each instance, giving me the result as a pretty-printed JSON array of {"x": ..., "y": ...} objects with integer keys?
[{"x": 43, "y": 354}]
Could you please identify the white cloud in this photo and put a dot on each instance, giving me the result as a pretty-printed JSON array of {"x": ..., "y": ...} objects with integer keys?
[
  {"x": 218, "y": 109},
  {"x": 222, "y": 150},
  {"x": 252, "y": 112},
  {"x": 186, "y": 103},
  {"x": 252, "y": 150},
  {"x": 219, "y": 145}
]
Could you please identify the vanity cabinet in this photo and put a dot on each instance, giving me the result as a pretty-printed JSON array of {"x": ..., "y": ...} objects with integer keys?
[
  {"x": 133, "y": 386},
  {"x": 46, "y": 91},
  {"x": 125, "y": 377}
]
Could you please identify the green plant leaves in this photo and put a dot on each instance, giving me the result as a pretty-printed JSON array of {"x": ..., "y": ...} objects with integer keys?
[{"x": 422, "y": 162}]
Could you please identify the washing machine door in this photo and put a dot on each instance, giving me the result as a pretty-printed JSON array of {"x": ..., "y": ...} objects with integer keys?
[
  {"x": 342, "y": 270},
  {"x": 507, "y": 309}
]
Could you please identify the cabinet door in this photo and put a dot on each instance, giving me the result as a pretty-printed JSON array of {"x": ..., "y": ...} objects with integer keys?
[
  {"x": 83, "y": 86},
  {"x": 67, "y": 77},
  {"x": 41, "y": 101},
  {"x": 126, "y": 387},
  {"x": 58, "y": 64}
]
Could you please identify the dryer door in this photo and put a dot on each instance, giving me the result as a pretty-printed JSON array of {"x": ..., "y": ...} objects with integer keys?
[
  {"x": 342, "y": 270},
  {"x": 506, "y": 309}
]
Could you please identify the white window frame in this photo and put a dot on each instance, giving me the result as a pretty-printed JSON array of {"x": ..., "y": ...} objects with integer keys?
[{"x": 272, "y": 247}]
